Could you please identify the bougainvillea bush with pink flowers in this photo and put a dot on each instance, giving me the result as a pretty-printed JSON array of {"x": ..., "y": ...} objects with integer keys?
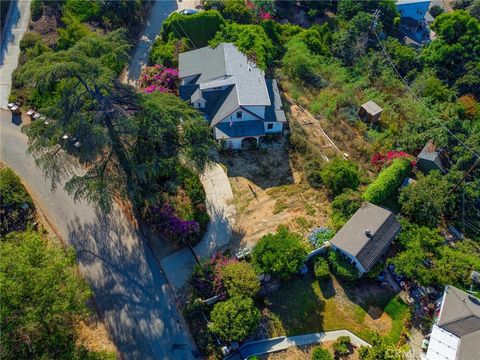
[
  {"x": 158, "y": 78},
  {"x": 206, "y": 279},
  {"x": 379, "y": 160}
]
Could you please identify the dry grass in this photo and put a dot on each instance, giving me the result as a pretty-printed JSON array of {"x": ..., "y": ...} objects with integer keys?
[
  {"x": 93, "y": 335},
  {"x": 269, "y": 190}
]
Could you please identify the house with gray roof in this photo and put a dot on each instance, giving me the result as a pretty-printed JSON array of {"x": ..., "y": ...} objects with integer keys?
[
  {"x": 456, "y": 330},
  {"x": 431, "y": 159},
  {"x": 232, "y": 93},
  {"x": 366, "y": 236}
]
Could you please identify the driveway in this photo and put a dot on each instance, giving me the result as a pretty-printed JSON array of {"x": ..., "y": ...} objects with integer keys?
[
  {"x": 131, "y": 294},
  {"x": 15, "y": 27},
  {"x": 220, "y": 208},
  {"x": 159, "y": 12}
]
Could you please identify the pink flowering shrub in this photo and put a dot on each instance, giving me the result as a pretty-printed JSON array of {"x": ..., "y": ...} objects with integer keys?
[
  {"x": 158, "y": 78},
  {"x": 379, "y": 161},
  {"x": 263, "y": 9},
  {"x": 207, "y": 280}
]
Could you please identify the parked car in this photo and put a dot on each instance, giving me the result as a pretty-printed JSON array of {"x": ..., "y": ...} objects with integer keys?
[{"x": 188, "y": 12}]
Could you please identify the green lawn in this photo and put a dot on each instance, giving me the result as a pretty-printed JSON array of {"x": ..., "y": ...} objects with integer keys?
[{"x": 304, "y": 305}]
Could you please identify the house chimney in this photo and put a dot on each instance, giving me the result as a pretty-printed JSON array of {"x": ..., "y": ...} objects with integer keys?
[{"x": 368, "y": 233}]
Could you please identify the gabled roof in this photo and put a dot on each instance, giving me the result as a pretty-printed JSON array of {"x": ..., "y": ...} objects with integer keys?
[
  {"x": 367, "y": 234},
  {"x": 460, "y": 317},
  {"x": 430, "y": 153},
  {"x": 222, "y": 66}
]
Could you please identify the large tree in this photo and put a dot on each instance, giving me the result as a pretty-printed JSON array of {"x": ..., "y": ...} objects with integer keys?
[
  {"x": 42, "y": 298},
  {"x": 106, "y": 139},
  {"x": 456, "y": 50}
]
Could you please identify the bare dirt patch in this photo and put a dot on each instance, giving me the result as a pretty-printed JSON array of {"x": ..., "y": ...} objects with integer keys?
[
  {"x": 269, "y": 190},
  {"x": 379, "y": 320}
]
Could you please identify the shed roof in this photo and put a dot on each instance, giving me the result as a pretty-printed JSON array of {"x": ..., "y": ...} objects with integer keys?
[
  {"x": 353, "y": 237},
  {"x": 372, "y": 108}
]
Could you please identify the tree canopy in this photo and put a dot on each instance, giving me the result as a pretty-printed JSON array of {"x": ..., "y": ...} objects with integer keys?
[
  {"x": 281, "y": 254},
  {"x": 123, "y": 139},
  {"x": 339, "y": 175},
  {"x": 42, "y": 297},
  {"x": 234, "y": 319}
]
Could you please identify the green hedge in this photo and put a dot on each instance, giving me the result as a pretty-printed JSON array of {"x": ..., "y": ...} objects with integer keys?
[
  {"x": 198, "y": 29},
  {"x": 388, "y": 181}
]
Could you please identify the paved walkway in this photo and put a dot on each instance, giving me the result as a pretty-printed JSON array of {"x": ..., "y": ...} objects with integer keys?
[
  {"x": 281, "y": 343},
  {"x": 220, "y": 207},
  {"x": 15, "y": 28}
]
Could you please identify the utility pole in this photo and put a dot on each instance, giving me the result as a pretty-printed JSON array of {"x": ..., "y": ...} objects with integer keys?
[{"x": 464, "y": 177}]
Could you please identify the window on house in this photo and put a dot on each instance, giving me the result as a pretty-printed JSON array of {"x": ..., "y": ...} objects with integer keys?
[
  {"x": 239, "y": 114},
  {"x": 269, "y": 126}
]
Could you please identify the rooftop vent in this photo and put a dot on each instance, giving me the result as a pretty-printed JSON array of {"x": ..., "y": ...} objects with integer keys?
[{"x": 368, "y": 233}]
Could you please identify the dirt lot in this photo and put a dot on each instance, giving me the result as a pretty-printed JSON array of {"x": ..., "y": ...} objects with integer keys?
[
  {"x": 269, "y": 190},
  {"x": 305, "y": 352}
]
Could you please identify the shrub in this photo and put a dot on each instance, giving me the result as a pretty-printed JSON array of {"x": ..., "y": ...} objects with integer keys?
[
  {"x": 344, "y": 206},
  {"x": 341, "y": 346},
  {"x": 319, "y": 235},
  {"x": 174, "y": 227},
  {"x": 425, "y": 201},
  {"x": 321, "y": 354},
  {"x": 187, "y": 26},
  {"x": 206, "y": 278},
  {"x": 234, "y": 319},
  {"x": 166, "y": 53},
  {"x": 158, "y": 78},
  {"x": 321, "y": 269},
  {"x": 16, "y": 205},
  {"x": 341, "y": 266},
  {"x": 339, "y": 175},
  {"x": 73, "y": 31},
  {"x": 388, "y": 181},
  {"x": 281, "y": 254},
  {"x": 249, "y": 39},
  {"x": 239, "y": 279},
  {"x": 299, "y": 143}
]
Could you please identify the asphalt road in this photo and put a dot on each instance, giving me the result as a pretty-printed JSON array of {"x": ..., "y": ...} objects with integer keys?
[
  {"x": 16, "y": 26},
  {"x": 131, "y": 294}
]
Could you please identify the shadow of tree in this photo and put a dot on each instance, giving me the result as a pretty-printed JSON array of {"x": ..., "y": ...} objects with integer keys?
[
  {"x": 297, "y": 306},
  {"x": 127, "y": 289},
  {"x": 266, "y": 167}
]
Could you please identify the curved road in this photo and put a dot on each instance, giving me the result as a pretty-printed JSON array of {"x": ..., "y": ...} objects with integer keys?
[{"x": 131, "y": 294}]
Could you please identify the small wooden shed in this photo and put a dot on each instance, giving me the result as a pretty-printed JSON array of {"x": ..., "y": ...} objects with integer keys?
[{"x": 370, "y": 112}]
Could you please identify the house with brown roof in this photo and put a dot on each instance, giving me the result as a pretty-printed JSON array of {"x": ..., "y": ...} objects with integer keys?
[
  {"x": 366, "y": 236},
  {"x": 456, "y": 331}
]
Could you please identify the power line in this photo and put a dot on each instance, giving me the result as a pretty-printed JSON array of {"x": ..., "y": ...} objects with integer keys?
[{"x": 374, "y": 24}]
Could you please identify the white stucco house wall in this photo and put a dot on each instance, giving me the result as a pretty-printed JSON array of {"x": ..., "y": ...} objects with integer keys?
[{"x": 232, "y": 93}]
